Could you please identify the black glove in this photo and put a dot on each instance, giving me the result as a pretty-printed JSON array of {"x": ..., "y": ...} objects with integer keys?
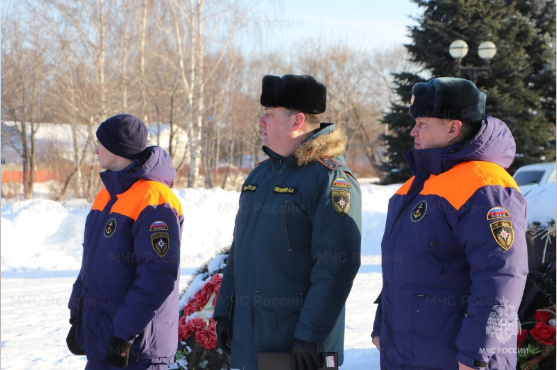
[
  {"x": 305, "y": 356},
  {"x": 116, "y": 348},
  {"x": 223, "y": 335},
  {"x": 71, "y": 339}
]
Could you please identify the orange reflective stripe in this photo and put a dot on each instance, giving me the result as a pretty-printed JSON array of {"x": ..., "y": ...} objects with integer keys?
[
  {"x": 101, "y": 200},
  {"x": 403, "y": 190},
  {"x": 143, "y": 194},
  {"x": 458, "y": 185}
]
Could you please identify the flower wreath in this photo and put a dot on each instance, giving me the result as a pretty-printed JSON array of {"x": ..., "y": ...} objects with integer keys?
[
  {"x": 536, "y": 337},
  {"x": 197, "y": 340}
]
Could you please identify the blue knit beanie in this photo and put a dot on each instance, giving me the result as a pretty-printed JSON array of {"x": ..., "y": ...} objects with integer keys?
[{"x": 123, "y": 135}]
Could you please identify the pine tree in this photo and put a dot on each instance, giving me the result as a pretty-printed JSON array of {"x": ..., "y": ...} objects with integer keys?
[{"x": 520, "y": 83}]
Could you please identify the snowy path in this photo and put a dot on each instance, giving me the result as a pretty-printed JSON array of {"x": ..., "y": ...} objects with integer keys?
[{"x": 35, "y": 322}]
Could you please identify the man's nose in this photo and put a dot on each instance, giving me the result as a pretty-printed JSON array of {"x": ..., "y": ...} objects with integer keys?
[{"x": 414, "y": 132}]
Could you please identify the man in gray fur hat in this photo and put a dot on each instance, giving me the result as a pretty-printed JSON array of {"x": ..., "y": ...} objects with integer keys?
[{"x": 296, "y": 246}]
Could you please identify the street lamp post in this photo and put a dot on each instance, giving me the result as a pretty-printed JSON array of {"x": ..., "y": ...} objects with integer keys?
[{"x": 459, "y": 48}]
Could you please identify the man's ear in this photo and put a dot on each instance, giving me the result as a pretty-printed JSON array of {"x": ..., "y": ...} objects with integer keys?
[
  {"x": 299, "y": 120},
  {"x": 455, "y": 129}
]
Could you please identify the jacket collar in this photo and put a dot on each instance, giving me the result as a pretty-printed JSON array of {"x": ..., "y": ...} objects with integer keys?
[
  {"x": 432, "y": 161},
  {"x": 326, "y": 142},
  {"x": 493, "y": 143},
  {"x": 155, "y": 165}
]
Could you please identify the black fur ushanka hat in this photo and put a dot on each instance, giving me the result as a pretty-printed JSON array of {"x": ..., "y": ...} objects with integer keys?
[
  {"x": 300, "y": 92},
  {"x": 448, "y": 98}
]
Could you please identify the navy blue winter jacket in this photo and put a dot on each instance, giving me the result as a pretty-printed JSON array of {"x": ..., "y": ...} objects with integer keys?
[
  {"x": 128, "y": 283},
  {"x": 454, "y": 258}
]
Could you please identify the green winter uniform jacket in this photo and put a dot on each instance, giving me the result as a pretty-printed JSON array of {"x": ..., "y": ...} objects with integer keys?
[{"x": 295, "y": 253}]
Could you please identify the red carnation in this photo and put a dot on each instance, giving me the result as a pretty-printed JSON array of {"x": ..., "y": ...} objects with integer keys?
[
  {"x": 522, "y": 334},
  {"x": 203, "y": 327},
  {"x": 543, "y": 316},
  {"x": 543, "y": 333}
]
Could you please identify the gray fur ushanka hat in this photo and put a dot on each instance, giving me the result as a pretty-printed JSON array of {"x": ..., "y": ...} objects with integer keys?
[
  {"x": 448, "y": 98},
  {"x": 300, "y": 92}
]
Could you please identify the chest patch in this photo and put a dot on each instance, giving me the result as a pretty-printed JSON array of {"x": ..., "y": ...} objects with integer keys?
[
  {"x": 284, "y": 190},
  {"x": 249, "y": 187},
  {"x": 160, "y": 243},
  {"x": 419, "y": 211},
  {"x": 503, "y": 233},
  {"x": 497, "y": 212},
  {"x": 341, "y": 182},
  {"x": 110, "y": 228},
  {"x": 341, "y": 201}
]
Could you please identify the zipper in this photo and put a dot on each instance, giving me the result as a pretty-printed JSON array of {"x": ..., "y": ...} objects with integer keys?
[{"x": 286, "y": 225}]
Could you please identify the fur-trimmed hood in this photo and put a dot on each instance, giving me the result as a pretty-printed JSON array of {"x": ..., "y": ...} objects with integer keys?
[{"x": 326, "y": 142}]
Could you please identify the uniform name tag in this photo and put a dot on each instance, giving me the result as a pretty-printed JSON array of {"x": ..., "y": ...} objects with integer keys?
[
  {"x": 282, "y": 190},
  {"x": 250, "y": 187}
]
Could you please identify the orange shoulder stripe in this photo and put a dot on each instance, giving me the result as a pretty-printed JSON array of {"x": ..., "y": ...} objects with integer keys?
[
  {"x": 459, "y": 184},
  {"x": 143, "y": 194},
  {"x": 405, "y": 187},
  {"x": 101, "y": 200}
]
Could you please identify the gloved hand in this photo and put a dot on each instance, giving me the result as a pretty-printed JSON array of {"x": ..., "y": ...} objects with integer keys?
[
  {"x": 223, "y": 335},
  {"x": 71, "y": 339},
  {"x": 305, "y": 356},
  {"x": 118, "y": 352}
]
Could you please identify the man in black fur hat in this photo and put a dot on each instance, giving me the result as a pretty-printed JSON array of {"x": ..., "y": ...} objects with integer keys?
[
  {"x": 296, "y": 247},
  {"x": 454, "y": 259}
]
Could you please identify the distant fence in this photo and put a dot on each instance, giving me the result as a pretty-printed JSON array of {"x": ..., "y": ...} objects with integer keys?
[{"x": 14, "y": 176}]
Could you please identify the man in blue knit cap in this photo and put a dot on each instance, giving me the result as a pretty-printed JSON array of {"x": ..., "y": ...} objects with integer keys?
[{"x": 124, "y": 303}]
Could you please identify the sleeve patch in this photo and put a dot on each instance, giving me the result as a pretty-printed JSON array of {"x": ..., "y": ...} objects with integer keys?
[
  {"x": 497, "y": 212},
  {"x": 341, "y": 201},
  {"x": 503, "y": 233},
  {"x": 158, "y": 226},
  {"x": 160, "y": 243},
  {"x": 341, "y": 182}
]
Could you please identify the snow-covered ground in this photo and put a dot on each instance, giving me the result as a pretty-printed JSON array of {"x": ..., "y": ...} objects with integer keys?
[{"x": 41, "y": 254}]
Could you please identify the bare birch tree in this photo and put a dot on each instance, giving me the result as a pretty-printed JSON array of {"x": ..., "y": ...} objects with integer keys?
[
  {"x": 86, "y": 84},
  {"x": 196, "y": 31},
  {"x": 25, "y": 96}
]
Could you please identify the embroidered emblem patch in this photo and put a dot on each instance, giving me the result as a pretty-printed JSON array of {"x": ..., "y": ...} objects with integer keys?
[
  {"x": 158, "y": 226},
  {"x": 341, "y": 182},
  {"x": 341, "y": 201},
  {"x": 503, "y": 233},
  {"x": 286, "y": 190},
  {"x": 419, "y": 211},
  {"x": 497, "y": 212},
  {"x": 251, "y": 188},
  {"x": 110, "y": 228},
  {"x": 160, "y": 243}
]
